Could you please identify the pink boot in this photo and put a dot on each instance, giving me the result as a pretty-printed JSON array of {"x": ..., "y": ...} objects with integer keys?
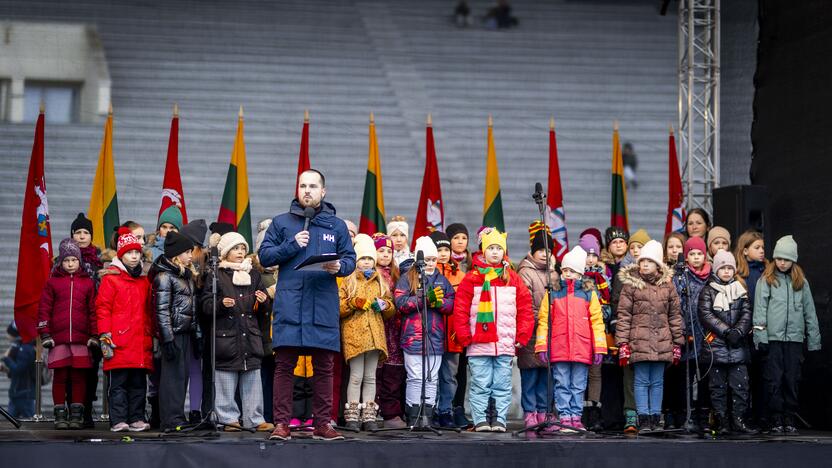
[
  {"x": 529, "y": 420},
  {"x": 550, "y": 430},
  {"x": 566, "y": 421},
  {"x": 577, "y": 424}
]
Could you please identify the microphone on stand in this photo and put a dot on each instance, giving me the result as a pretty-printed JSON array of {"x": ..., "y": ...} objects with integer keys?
[
  {"x": 308, "y": 214},
  {"x": 538, "y": 195},
  {"x": 214, "y": 255}
]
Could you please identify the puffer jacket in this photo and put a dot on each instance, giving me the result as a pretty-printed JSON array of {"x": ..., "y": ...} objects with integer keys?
[
  {"x": 408, "y": 307},
  {"x": 174, "y": 299},
  {"x": 648, "y": 313},
  {"x": 239, "y": 339},
  {"x": 688, "y": 287},
  {"x": 66, "y": 311},
  {"x": 577, "y": 324},
  {"x": 533, "y": 274},
  {"x": 393, "y": 325},
  {"x": 783, "y": 314},
  {"x": 718, "y": 322},
  {"x": 513, "y": 314},
  {"x": 363, "y": 330},
  {"x": 123, "y": 309},
  {"x": 454, "y": 275}
]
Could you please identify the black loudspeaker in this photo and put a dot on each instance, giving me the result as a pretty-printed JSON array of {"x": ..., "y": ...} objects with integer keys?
[{"x": 739, "y": 208}]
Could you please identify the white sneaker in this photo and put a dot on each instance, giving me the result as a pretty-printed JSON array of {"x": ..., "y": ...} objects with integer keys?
[
  {"x": 120, "y": 427},
  {"x": 139, "y": 426}
]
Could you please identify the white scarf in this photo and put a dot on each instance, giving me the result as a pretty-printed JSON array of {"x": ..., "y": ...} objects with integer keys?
[
  {"x": 727, "y": 294},
  {"x": 241, "y": 272}
]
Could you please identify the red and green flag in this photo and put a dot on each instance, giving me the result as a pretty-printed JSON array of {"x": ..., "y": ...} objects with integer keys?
[
  {"x": 35, "y": 249},
  {"x": 675, "y": 200},
  {"x": 430, "y": 215},
  {"x": 303, "y": 154},
  {"x": 172, "y": 193},
  {"x": 372, "y": 208},
  {"x": 492, "y": 212},
  {"x": 555, "y": 216},
  {"x": 618, "y": 205},
  {"x": 235, "y": 208},
  {"x": 103, "y": 210}
]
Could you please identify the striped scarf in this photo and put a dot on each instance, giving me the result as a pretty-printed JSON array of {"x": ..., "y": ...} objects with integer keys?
[{"x": 486, "y": 329}]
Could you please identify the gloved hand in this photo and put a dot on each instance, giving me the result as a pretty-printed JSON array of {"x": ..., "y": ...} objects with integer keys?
[
  {"x": 47, "y": 342},
  {"x": 543, "y": 357},
  {"x": 92, "y": 342},
  {"x": 359, "y": 303},
  {"x": 169, "y": 350},
  {"x": 597, "y": 359},
  {"x": 762, "y": 347},
  {"x": 677, "y": 354},
  {"x": 733, "y": 337},
  {"x": 436, "y": 297},
  {"x": 107, "y": 345},
  {"x": 378, "y": 305},
  {"x": 624, "y": 353}
]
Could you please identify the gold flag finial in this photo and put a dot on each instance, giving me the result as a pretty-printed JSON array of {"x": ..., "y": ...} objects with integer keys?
[
  {"x": 490, "y": 121},
  {"x": 175, "y": 110},
  {"x": 551, "y": 123},
  {"x": 240, "y": 114},
  {"x": 372, "y": 118},
  {"x": 110, "y": 109},
  {"x": 615, "y": 125},
  {"x": 42, "y": 106},
  {"x": 306, "y": 115},
  {"x": 430, "y": 120},
  {"x": 671, "y": 129}
]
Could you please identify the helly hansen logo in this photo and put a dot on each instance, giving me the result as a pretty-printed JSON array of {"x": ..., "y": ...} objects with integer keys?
[{"x": 329, "y": 237}]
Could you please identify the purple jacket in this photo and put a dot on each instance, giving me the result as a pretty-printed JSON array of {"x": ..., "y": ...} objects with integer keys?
[{"x": 406, "y": 304}]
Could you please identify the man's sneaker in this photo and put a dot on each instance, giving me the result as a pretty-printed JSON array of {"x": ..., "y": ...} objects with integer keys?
[
  {"x": 498, "y": 427},
  {"x": 281, "y": 432},
  {"x": 139, "y": 426},
  {"x": 326, "y": 432},
  {"x": 120, "y": 427},
  {"x": 482, "y": 427}
]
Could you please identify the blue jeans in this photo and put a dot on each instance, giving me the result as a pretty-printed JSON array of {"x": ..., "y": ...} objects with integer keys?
[
  {"x": 21, "y": 407},
  {"x": 447, "y": 382},
  {"x": 570, "y": 384},
  {"x": 533, "y": 397},
  {"x": 648, "y": 387},
  {"x": 490, "y": 377}
]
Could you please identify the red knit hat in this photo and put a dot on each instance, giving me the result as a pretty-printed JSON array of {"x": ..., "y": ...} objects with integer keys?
[
  {"x": 127, "y": 242},
  {"x": 381, "y": 240},
  {"x": 695, "y": 243}
]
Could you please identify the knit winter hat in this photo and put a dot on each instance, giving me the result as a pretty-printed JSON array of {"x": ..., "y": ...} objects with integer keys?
[
  {"x": 494, "y": 237},
  {"x": 652, "y": 250},
  {"x": 426, "y": 245},
  {"x": 440, "y": 239},
  {"x": 381, "y": 240},
  {"x": 456, "y": 228},
  {"x": 695, "y": 243},
  {"x": 614, "y": 232},
  {"x": 230, "y": 240},
  {"x": 364, "y": 247},
  {"x": 575, "y": 260},
  {"x": 594, "y": 232},
  {"x": 537, "y": 242},
  {"x": 724, "y": 259},
  {"x": 68, "y": 248},
  {"x": 718, "y": 232},
  {"x": 126, "y": 242},
  {"x": 262, "y": 227},
  {"x": 80, "y": 222},
  {"x": 171, "y": 215},
  {"x": 221, "y": 228},
  {"x": 196, "y": 231},
  {"x": 639, "y": 236},
  {"x": 176, "y": 243},
  {"x": 589, "y": 243},
  {"x": 786, "y": 248},
  {"x": 398, "y": 223}
]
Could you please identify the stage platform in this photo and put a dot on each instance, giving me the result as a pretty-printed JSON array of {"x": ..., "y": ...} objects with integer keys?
[{"x": 38, "y": 444}]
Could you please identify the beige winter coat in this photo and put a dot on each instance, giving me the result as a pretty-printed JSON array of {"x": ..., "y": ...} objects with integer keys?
[{"x": 363, "y": 330}]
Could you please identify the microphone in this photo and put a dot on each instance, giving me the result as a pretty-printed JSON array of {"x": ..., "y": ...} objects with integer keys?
[
  {"x": 538, "y": 195},
  {"x": 680, "y": 262},
  {"x": 308, "y": 214},
  {"x": 214, "y": 255},
  {"x": 420, "y": 259}
]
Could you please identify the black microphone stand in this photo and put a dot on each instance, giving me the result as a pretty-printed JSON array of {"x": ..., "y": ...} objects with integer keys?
[
  {"x": 681, "y": 269},
  {"x": 540, "y": 200}
]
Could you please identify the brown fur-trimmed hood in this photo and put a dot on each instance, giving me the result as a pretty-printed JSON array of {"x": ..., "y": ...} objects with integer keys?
[{"x": 629, "y": 275}]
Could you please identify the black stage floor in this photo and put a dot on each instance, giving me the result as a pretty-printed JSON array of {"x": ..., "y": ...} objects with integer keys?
[{"x": 38, "y": 443}]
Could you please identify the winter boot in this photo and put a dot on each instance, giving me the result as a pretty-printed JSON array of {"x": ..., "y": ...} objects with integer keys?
[
  {"x": 656, "y": 422},
  {"x": 61, "y": 421},
  {"x": 550, "y": 428},
  {"x": 566, "y": 421},
  {"x": 352, "y": 416},
  {"x": 368, "y": 416},
  {"x": 76, "y": 416},
  {"x": 739, "y": 426},
  {"x": 195, "y": 417},
  {"x": 645, "y": 425},
  {"x": 592, "y": 417},
  {"x": 459, "y": 418},
  {"x": 577, "y": 424},
  {"x": 630, "y": 422},
  {"x": 444, "y": 420},
  {"x": 720, "y": 425},
  {"x": 411, "y": 414},
  {"x": 427, "y": 415}
]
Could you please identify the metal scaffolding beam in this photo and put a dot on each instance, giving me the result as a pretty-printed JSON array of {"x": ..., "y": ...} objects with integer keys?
[{"x": 699, "y": 100}]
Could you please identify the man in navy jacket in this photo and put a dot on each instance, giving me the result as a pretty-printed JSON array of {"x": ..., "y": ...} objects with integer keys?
[{"x": 306, "y": 305}]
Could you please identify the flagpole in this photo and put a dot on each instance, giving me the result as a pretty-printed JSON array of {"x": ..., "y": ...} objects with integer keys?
[{"x": 38, "y": 416}]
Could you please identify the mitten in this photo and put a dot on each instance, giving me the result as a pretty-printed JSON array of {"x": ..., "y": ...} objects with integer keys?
[
  {"x": 733, "y": 337},
  {"x": 624, "y": 353},
  {"x": 543, "y": 357},
  {"x": 358, "y": 303},
  {"x": 47, "y": 342},
  {"x": 436, "y": 297},
  {"x": 378, "y": 305},
  {"x": 107, "y": 345},
  {"x": 677, "y": 354},
  {"x": 597, "y": 359}
]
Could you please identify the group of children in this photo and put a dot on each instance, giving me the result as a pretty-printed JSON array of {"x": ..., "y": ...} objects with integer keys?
[{"x": 631, "y": 329}]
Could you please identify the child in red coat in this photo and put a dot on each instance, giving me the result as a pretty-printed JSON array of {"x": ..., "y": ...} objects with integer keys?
[
  {"x": 126, "y": 327},
  {"x": 66, "y": 323}
]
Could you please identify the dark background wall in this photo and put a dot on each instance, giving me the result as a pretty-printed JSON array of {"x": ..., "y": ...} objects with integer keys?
[{"x": 791, "y": 140}]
